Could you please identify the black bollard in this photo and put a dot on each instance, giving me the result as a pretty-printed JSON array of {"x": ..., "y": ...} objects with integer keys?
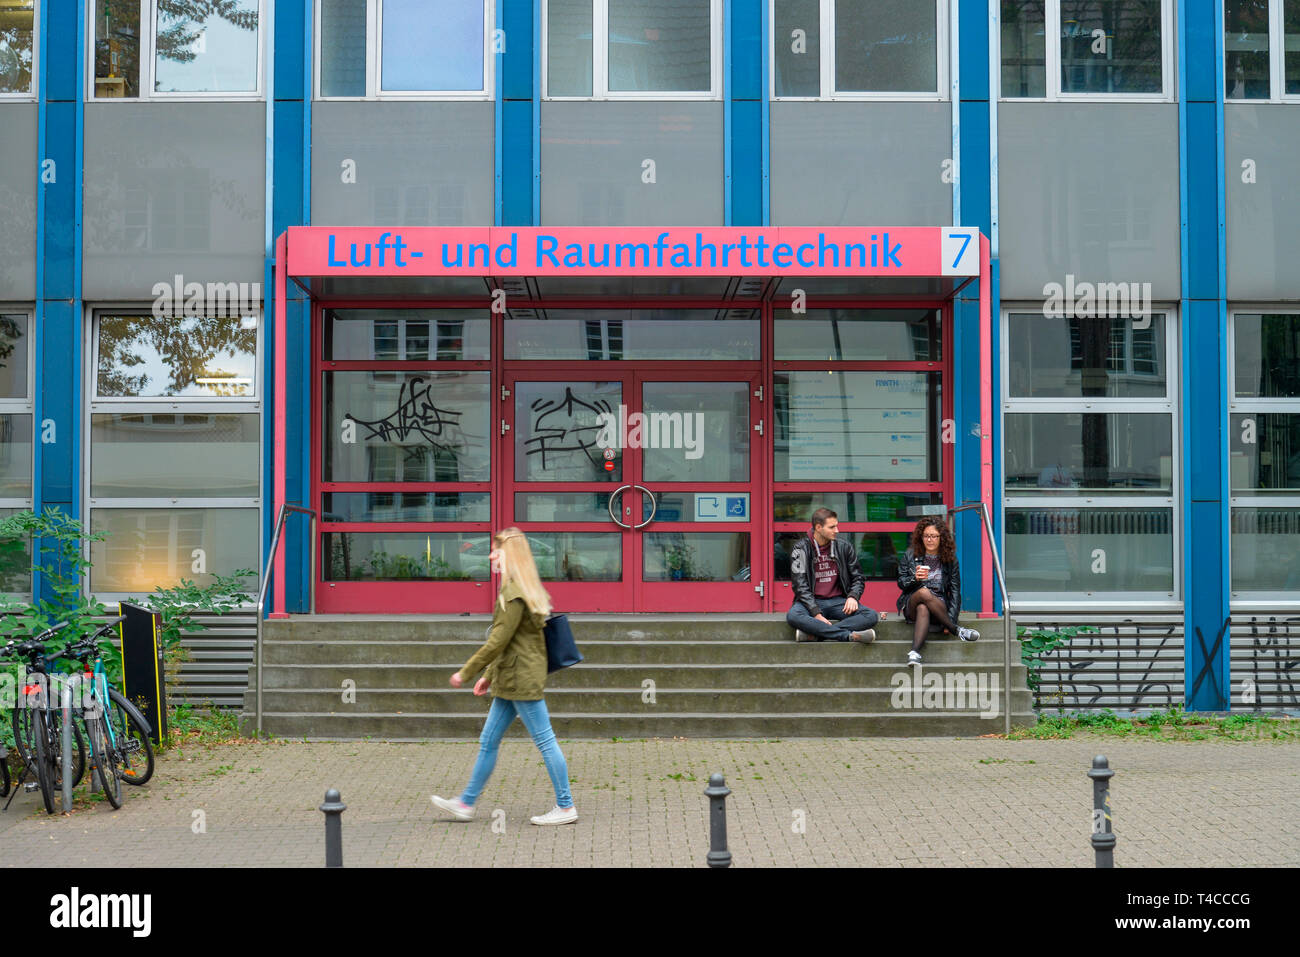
[
  {"x": 717, "y": 792},
  {"x": 1103, "y": 841},
  {"x": 333, "y": 808}
]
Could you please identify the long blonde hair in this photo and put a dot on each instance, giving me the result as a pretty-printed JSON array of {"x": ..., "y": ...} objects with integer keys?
[{"x": 517, "y": 565}]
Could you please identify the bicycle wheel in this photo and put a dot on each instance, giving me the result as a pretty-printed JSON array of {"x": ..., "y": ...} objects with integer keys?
[
  {"x": 130, "y": 739},
  {"x": 40, "y": 754},
  {"x": 54, "y": 721},
  {"x": 4, "y": 771},
  {"x": 105, "y": 758}
]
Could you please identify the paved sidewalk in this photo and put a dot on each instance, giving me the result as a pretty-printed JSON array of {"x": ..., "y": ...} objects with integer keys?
[{"x": 873, "y": 802}]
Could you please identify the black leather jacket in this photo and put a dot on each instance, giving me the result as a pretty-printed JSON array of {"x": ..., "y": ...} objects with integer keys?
[
  {"x": 950, "y": 592},
  {"x": 803, "y": 561}
]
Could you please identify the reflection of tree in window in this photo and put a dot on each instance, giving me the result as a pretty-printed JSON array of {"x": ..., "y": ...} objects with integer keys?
[
  {"x": 16, "y": 48},
  {"x": 189, "y": 348},
  {"x": 12, "y": 331}
]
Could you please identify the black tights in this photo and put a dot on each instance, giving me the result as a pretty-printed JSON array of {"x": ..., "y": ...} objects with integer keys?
[{"x": 924, "y": 607}]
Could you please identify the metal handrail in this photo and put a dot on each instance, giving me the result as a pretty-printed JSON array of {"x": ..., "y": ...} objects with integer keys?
[
  {"x": 1006, "y": 605},
  {"x": 285, "y": 509}
]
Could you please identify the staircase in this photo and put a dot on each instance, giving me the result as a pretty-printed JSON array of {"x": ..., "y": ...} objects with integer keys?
[{"x": 716, "y": 676}]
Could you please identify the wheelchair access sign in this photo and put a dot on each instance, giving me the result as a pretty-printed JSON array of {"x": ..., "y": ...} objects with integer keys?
[{"x": 722, "y": 506}]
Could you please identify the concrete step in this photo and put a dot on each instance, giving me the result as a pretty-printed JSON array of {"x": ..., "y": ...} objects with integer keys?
[
  {"x": 453, "y": 654},
  {"x": 467, "y": 727},
  {"x": 632, "y": 701}
]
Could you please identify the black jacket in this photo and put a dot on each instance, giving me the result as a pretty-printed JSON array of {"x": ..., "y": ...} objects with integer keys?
[
  {"x": 803, "y": 561},
  {"x": 950, "y": 592}
]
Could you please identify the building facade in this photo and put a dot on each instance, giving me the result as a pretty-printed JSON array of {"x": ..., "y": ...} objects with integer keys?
[{"x": 1130, "y": 409}]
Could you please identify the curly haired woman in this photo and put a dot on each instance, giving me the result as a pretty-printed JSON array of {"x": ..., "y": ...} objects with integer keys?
[{"x": 930, "y": 582}]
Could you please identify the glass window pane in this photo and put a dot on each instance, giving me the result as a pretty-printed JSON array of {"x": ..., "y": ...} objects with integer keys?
[
  {"x": 407, "y": 427},
  {"x": 405, "y": 556},
  {"x": 695, "y": 556},
  {"x": 1054, "y": 550},
  {"x": 693, "y": 505},
  {"x": 117, "y": 48},
  {"x": 856, "y": 426},
  {"x": 557, "y": 428},
  {"x": 407, "y": 335},
  {"x": 660, "y": 46},
  {"x": 886, "y": 46},
  {"x": 1024, "y": 48},
  {"x": 203, "y": 357},
  {"x": 407, "y": 507},
  {"x": 15, "y": 456},
  {"x": 148, "y": 547},
  {"x": 878, "y": 552},
  {"x": 797, "y": 40},
  {"x": 164, "y": 454},
  {"x": 562, "y": 507},
  {"x": 682, "y": 334},
  {"x": 569, "y": 33},
  {"x": 207, "y": 48},
  {"x": 1245, "y": 49},
  {"x": 1069, "y": 358},
  {"x": 13, "y": 356},
  {"x": 1085, "y": 450},
  {"x": 852, "y": 506},
  {"x": 1266, "y": 551},
  {"x": 1291, "y": 44},
  {"x": 1267, "y": 356},
  {"x": 1265, "y": 451},
  {"x": 1111, "y": 46},
  {"x": 863, "y": 334},
  {"x": 432, "y": 45},
  {"x": 578, "y": 556},
  {"x": 343, "y": 48},
  {"x": 16, "y": 20},
  {"x": 15, "y": 563},
  {"x": 693, "y": 432}
]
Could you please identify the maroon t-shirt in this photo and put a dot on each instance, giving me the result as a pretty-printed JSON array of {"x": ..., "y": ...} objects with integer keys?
[{"x": 826, "y": 576}]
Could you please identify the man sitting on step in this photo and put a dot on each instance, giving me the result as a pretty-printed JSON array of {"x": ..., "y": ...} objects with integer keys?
[{"x": 827, "y": 584}]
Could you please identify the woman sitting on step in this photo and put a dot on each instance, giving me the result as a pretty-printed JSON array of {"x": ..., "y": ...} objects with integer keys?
[{"x": 930, "y": 582}]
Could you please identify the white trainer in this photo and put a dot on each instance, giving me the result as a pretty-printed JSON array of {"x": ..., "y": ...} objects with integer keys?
[
  {"x": 461, "y": 812},
  {"x": 557, "y": 815},
  {"x": 968, "y": 634},
  {"x": 913, "y": 657}
]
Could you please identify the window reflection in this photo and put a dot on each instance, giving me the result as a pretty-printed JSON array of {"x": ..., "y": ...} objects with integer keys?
[
  {"x": 145, "y": 356},
  {"x": 16, "y": 21},
  {"x": 1111, "y": 46},
  {"x": 206, "y": 48}
]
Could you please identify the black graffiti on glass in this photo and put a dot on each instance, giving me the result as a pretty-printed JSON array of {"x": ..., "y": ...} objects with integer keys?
[
  {"x": 562, "y": 426},
  {"x": 415, "y": 415}
]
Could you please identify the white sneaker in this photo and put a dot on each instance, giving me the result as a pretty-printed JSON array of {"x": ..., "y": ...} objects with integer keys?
[
  {"x": 968, "y": 634},
  {"x": 866, "y": 637},
  {"x": 913, "y": 657},
  {"x": 461, "y": 812},
  {"x": 557, "y": 815}
]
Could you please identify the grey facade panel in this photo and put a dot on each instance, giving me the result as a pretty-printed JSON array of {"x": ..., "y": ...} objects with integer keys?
[
  {"x": 414, "y": 164},
  {"x": 172, "y": 189},
  {"x": 1089, "y": 190},
  {"x": 851, "y": 164},
  {"x": 593, "y": 163},
  {"x": 1262, "y": 242},
  {"x": 18, "y": 172}
]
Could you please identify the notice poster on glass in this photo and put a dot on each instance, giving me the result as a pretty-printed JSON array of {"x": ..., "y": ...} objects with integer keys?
[{"x": 857, "y": 426}]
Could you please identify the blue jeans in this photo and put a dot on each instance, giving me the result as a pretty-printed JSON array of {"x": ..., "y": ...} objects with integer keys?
[
  {"x": 538, "y": 722},
  {"x": 832, "y": 608}
]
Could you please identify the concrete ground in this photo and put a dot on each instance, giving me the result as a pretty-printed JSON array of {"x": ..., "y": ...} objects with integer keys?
[{"x": 804, "y": 802}]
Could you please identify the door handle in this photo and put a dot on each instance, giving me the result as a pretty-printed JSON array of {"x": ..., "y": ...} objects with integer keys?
[
  {"x": 612, "y": 496},
  {"x": 654, "y": 506}
]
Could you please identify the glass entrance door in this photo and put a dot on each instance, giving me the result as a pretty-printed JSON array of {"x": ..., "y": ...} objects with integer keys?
[{"x": 638, "y": 489}]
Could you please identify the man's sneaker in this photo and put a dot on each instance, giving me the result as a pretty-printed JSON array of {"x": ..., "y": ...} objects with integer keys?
[
  {"x": 866, "y": 637},
  {"x": 913, "y": 657},
  {"x": 804, "y": 636},
  {"x": 968, "y": 634},
  {"x": 557, "y": 815},
  {"x": 461, "y": 812}
]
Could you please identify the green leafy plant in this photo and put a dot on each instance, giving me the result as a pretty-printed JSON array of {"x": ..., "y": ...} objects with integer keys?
[
  {"x": 1037, "y": 642},
  {"x": 179, "y": 607}
]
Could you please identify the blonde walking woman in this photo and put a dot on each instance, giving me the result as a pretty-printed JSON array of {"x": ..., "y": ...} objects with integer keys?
[{"x": 513, "y": 662}]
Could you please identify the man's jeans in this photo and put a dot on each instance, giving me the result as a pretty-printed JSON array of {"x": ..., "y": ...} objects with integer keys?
[
  {"x": 538, "y": 722},
  {"x": 832, "y": 608}
]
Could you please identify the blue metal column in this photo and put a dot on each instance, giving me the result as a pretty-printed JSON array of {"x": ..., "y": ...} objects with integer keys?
[
  {"x": 57, "y": 336},
  {"x": 744, "y": 113},
  {"x": 516, "y": 125},
  {"x": 1206, "y": 580},
  {"x": 972, "y": 204}
]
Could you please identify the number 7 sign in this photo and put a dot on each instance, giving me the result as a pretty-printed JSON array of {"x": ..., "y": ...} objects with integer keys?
[{"x": 960, "y": 251}]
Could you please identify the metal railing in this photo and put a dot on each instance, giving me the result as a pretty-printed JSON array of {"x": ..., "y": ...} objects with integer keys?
[
  {"x": 285, "y": 509},
  {"x": 1006, "y": 605}
]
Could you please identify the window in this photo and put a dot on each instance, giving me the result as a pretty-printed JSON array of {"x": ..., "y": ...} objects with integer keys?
[
  {"x": 371, "y": 48},
  {"x": 1261, "y": 49},
  {"x": 175, "y": 450},
  {"x": 1090, "y": 452},
  {"x": 1104, "y": 49},
  {"x": 18, "y": 45},
  {"x": 632, "y": 49},
  {"x": 1264, "y": 456},
  {"x": 144, "y": 48},
  {"x": 15, "y": 443},
  {"x": 872, "y": 48}
]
